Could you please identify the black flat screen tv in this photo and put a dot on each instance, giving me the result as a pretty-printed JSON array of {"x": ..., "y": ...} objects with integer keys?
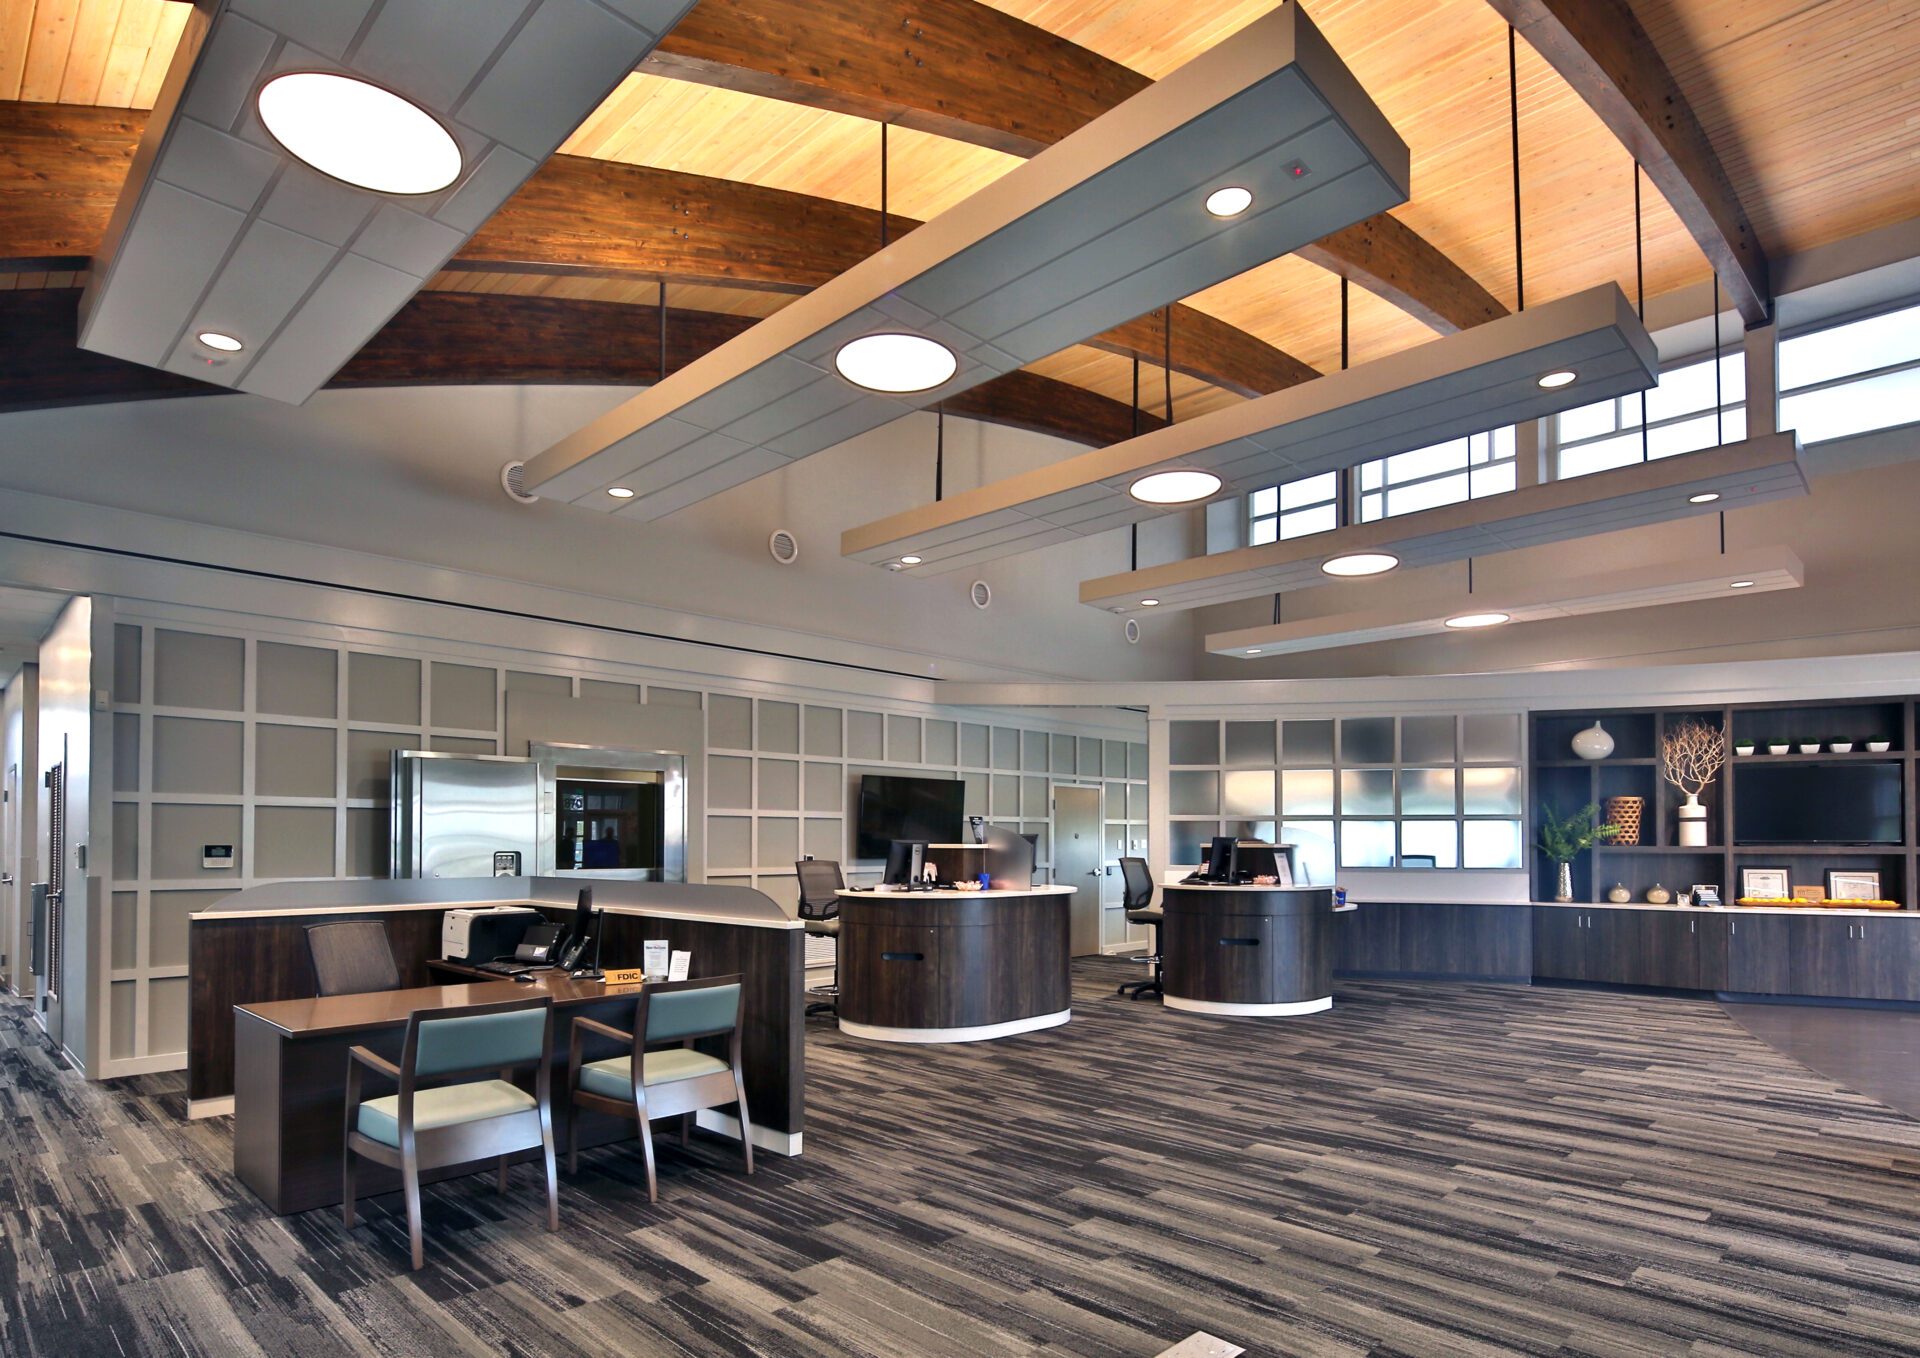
[
  {"x": 1857, "y": 803},
  {"x": 930, "y": 809}
]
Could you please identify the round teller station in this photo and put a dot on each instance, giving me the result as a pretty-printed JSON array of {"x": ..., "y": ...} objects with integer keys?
[
  {"x": 1250, "y": 950},
  {"x": 954, "y": 966}
]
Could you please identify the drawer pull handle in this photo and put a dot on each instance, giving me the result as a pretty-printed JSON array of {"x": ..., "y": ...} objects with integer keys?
[
  {"x": 1239, "y": 942},
  {"x": 903, "y": 957}
]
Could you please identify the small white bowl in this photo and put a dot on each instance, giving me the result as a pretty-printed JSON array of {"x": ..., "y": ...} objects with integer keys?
[
  {"x": 1776, "y": 749},
  {"x": 1841, "y": 747},
  {"x": 1810, "y": 749},
  {"x": 1879, "y": 746},
  {"x": 1743, "y": 750}
]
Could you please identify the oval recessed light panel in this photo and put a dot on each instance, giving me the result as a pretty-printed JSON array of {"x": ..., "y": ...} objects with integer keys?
[
  {"x": 1470, "y": 620},
  {"x": 894, "y": 362},
  {"x": 1253, "y": 650},
  {"x": 1557, "y": 379},
  {"x": 1149, "y": 603},
  {"x": 214, "y": 339},
  {"x": 1741, "y": 584},
  {"x": 1179, "y": 487},
  {"x": 910, "y": 560},
  {"x": 359, "y": 133},
  {"x": 620, "y": 492},
  {"x": 1360, "y": 563},
  {"x": 1230, "y": 201},
  {"x": 1705, "y": 497}
]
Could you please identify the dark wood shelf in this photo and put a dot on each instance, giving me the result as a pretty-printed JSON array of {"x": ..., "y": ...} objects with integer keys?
[
  {"x": 1814, "y": 850},
  {"x": 1758, "y": 757},
  {"x": 1608, "y": 762},
  {"x": 1660, "y": 848}
]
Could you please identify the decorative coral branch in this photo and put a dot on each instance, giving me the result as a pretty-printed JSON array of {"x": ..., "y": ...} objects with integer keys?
[{"x": 1691, "y": 756}]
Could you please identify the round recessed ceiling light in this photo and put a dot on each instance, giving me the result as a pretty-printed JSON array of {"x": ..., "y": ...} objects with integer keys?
[
  {"x": 910, "y": 560},
  {"x": 1557, "y": 379},
  {"x": 1230, "y": 201},
  {"x": 1149, "y": 603},
  {"x": 893, "y": 362},
  {"x": 226, "y": 344},
  {"x": 1705, "y": 497},
  {"x": 1174, "y": 487},
  {"x": 620, "y": 492},
  {"x": 1361, "y": 563},
  {"x": 356, "y": 132},
  {"x": 1741, "y": 584},
  {"x": 1470, "y": 620}
]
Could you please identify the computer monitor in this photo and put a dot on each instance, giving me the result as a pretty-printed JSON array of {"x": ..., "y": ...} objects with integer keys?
[
  {"x": 905, "y": 859},
  {"x": 1221, "y": 866},
  {"x": 583, "y": 913}
]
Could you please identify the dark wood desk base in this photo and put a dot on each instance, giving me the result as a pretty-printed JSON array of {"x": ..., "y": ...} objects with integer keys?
[{"x": 1247, "y": 951}]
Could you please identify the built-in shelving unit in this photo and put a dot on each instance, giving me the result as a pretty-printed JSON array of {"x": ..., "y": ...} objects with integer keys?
[{"x": 1567, "y": 782}]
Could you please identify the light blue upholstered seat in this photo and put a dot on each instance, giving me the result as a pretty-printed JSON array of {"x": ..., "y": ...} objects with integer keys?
[
  {"x": 434, "y": 1108},
  {"x": 610, "y": 1078}
]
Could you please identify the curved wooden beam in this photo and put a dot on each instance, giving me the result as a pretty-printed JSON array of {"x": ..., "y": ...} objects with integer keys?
[
  {"x": 1600, "y": 49},
  {"x": 484, "y": 339},
  {"x": 964, "y": 70},
  {"x": 61, "y": 167}
]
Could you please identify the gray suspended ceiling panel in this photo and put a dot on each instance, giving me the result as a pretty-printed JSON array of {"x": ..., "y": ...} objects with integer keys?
[
  {"x": 1098, "y": 229},
  {"x": 219, "y": 229},
  {"x": 1571, "y": 593},
  {"x": 1459, "y": 384},
  {"x": 1740, "y": 474}
]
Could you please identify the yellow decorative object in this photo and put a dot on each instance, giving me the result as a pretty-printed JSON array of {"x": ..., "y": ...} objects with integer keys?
[{"x": 1805, "y": 904}]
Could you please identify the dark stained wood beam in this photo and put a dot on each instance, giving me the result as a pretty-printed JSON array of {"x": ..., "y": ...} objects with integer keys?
[
  {"x": 469, "y": 339},
  {"x": 1600, "y": 49},
  {"x": 965, "y": 70},
  {"x": 60, "y": 167}
]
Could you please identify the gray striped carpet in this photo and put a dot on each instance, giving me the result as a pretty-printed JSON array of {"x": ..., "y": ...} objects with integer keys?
[{"x": 1431, "y": 1169}]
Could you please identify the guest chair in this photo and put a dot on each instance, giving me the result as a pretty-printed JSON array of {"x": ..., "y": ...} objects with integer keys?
[
  {"x": 644, "y": 1085},
  {"x": 820, "y": 912},
  {"x": 352, "y": 957},
  {"x": 1138, "y": 902},
  {"x": 455, "y": 1124}
]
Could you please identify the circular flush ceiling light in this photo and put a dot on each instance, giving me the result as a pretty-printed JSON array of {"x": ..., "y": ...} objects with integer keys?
[
  {"x": 1149, "y": 603},
  {"x": 1361, "y": 563},
  {"x": 226, "y": 344},
  {"x": 909, "y": 560},
  {"x": 1174, "y": 487},
  {"x": 1557, "y": 379},
  {"x": 895, "y": 362},
  {"x": 1705, "y": 497},
  {"x": 1230, "y": 201},
  {"x": 1470, "y": 620},
  {"x": 1741, "y": 584},
  {"x": 620, "y": 492},
  {"x": 356, "y": 132}
]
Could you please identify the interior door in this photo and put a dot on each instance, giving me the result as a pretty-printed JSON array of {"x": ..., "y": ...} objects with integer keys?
[
  {"x": 9, "y": 874},
  {"x": 1076, "y": 860}
]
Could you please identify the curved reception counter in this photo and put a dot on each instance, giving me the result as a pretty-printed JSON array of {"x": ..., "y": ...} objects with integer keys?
[
  {"x": 954, "y": 966},
  {"x": 1254, "y": 950}
]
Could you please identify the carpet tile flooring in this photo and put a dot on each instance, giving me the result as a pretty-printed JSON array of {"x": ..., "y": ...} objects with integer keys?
[{"x": 1430, "y": 1169}]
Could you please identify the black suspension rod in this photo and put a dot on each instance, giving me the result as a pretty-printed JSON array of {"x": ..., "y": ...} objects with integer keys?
[{"x": 1513, "y": 120}]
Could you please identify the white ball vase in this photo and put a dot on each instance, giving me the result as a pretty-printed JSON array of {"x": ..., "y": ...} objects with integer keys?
[{"x": 1593, "y": 743}]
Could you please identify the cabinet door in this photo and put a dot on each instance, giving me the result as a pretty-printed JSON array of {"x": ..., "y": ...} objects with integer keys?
[
  {"x": 1560, "y": 942},
  {"x": 1758, "y": 950},
  {"x": 1856, "y": 959},
  {"x": 1670, "y": 949},
  {"x": 1894, "y": 950}
]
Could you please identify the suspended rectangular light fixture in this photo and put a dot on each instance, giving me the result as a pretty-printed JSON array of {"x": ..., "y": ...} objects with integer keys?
[
  {"x": 1572, "y": 593},
  {"x": 310, "y": 165},
  {"x": 1117, "y": 219},
  {"x": 1571, "y": 352},
  {"x": 1730, "y": 477}
]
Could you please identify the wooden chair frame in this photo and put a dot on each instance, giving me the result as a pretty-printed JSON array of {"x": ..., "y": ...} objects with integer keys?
[
  {"x": 683, "y": 1098},
  {"x": 463, "y": 1143}
]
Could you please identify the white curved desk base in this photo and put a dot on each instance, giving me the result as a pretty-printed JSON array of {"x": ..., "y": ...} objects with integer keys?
[
  {"x": 1325, "y": 1002},
  {"x": 983, "y": 1033}
]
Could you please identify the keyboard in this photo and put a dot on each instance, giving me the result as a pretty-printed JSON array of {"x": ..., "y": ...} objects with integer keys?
[{"x": 505, "y": 968}]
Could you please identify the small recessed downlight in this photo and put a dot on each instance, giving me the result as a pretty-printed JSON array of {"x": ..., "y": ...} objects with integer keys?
[
  {"x": 1470, "y": 620},
  {"x": 1230, "y": 201},
  {"x": 1557, "y": 379},
  {"x": 1149, "y": 603},
  {"x": 620, "y": 492},
  {"x": 1360, "y": 563},
  {"x": 1741, "y": 584},
  {"x": 910, "y": 560},
  {"x": 1253, "y": 650},
  {"x": 895, "y": 362},
  {"x": 226, "y": 344},
  {"x": 1178, "y": 487},
  {"x": 359, "y": 133},
  {"x": 1705, "y": 497}
]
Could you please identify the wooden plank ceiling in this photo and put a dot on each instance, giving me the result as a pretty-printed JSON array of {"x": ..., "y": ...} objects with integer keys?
[{"x": 1805, "y": 102}]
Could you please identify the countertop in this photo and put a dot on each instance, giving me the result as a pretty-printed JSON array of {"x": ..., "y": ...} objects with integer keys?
[
  {"x": 1814, "y": 912},
  {"x": 877, "y": 895}
]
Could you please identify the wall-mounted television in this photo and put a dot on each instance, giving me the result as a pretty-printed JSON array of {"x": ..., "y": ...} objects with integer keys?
[
  {"x": 1854, "y": 803},
  {"x": 930, "y": 809}
]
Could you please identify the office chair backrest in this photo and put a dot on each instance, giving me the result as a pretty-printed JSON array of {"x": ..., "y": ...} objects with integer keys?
[
  {"x": 683, "y": 1009},
  {"x": 1137, "y": 881},
  {"x": 352, "y": 957},
  {"x": 485, "y": 1036},
  {"x": 819, "y": 879}
]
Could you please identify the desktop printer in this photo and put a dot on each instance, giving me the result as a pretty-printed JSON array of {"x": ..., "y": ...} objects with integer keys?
[{"x": 481, "y": 933}]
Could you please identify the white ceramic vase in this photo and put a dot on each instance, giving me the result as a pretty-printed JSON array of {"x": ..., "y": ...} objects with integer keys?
[
  {"x": 1693, "y": 823},
  {"x": 1593, "y": 743}
]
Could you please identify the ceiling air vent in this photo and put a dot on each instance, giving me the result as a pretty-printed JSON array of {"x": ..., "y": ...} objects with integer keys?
[
  {"x": 513, "y": 480},
  {"x": 783, "y": 546},
  {"x": 980, "y": 594},
  {"x": 1133, "y": 632}
]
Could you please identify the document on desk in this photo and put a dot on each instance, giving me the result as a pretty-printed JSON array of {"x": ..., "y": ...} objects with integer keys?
[
  {"x": 679, "y": 966},
  {"x": 653, "y": 958}
]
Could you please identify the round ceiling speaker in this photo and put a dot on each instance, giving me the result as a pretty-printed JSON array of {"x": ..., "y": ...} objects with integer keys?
[
  {"x": 980, "y": 594},
  {"x": 513, "y": 480},
  {"x": 783, "y": 547},
  {"x": 1133, "y": 632}
]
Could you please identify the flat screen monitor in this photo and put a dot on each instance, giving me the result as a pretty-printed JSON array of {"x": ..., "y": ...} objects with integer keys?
[
  {"x": 904, "y": 860},
  {"x": 927, "y": 809},
  {"x": 1853, "y": 803},
  {"x": 1220, "y": 859}
]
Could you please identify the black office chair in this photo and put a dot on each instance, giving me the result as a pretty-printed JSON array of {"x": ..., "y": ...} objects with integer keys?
[
  {"x": 1138, "y": 902},
  {"x": 352, "y": 957},
  {"x": 820, "y": 879}
]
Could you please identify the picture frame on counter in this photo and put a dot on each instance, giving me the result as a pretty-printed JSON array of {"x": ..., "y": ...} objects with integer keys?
[
  {"x": 1766, "y": 883},
  {"x": 1848, "y": 885}
]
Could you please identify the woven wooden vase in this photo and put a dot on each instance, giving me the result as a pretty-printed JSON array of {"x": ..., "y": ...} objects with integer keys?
[{"x": 1624, "y": 813}]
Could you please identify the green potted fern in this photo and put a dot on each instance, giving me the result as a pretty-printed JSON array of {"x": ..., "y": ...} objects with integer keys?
[{"x": 1564, "y": 839}]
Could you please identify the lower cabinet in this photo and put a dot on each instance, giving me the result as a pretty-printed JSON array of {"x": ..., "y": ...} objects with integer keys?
[
  {"x": 1675, "y": 949},
  {"x": 1845, "y": 958}
]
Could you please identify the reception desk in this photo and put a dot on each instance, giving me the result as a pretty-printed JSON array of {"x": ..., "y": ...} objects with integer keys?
[
  {"x": 954, "y": 966},
  {"x": 1254, "y": 950}
]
